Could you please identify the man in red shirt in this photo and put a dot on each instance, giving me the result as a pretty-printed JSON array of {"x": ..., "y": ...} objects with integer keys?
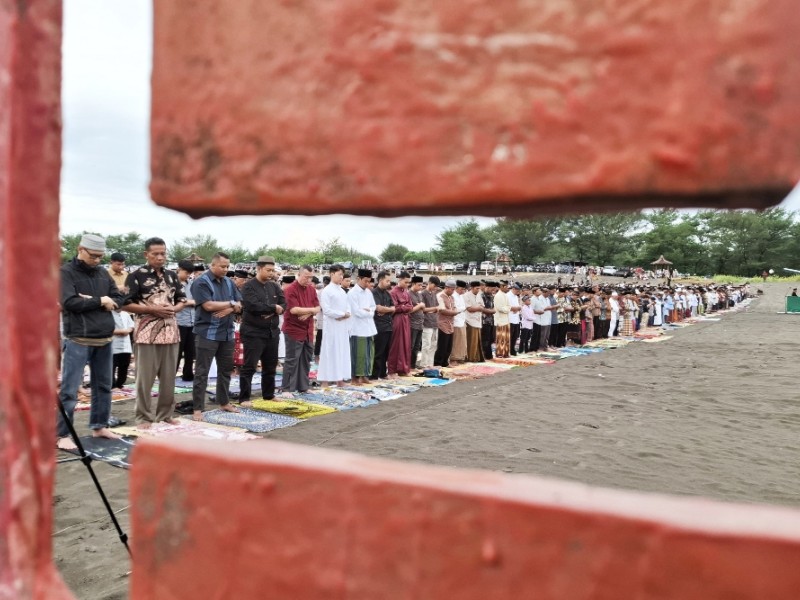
[{"x": 302, "y": 304}]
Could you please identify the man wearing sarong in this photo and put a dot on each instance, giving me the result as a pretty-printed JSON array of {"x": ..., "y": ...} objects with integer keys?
[
  {"x": 362, "y": 331},
  {"x": 487, "y": 327},
  {"x": 447, "y": 310},
  {"x": 514, "y": 316},
  {"x": 416, "y": 318},
  {"x": 399, "y": 362},
  {"x": 302, "y": 304},
  {"x": 459, "y": 353},
  {"x": 263, "y": 304},
  {"x": 473, "y": 300},
  {"x": 384, "y": 309},
  {"x": 334, "y": 358},
  {"x": 502, "y": 326}
]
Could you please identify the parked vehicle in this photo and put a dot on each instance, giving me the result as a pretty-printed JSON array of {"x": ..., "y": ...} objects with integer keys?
[
  {"x": 448, "y": 266},
  {"x": 423, "y": 266},
  {"x": 487, "y": 265},
  {"x": 609, "y": 270},
  {"x": 623, "y": 272}
]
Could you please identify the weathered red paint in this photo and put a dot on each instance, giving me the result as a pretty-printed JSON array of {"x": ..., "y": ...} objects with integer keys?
[
  {"x": 30, "y": 165},
  {"x": 286, "y": 521},
  {"x": 451, "y": 107}
]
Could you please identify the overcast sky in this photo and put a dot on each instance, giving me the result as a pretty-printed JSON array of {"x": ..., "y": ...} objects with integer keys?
[{"x": 107, "y": 56}]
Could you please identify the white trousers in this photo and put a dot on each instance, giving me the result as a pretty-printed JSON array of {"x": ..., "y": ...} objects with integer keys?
[{"x": 430, "y": 337}]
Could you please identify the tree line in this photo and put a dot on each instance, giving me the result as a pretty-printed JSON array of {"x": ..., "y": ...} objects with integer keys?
[{"x": 706, "y": 242}]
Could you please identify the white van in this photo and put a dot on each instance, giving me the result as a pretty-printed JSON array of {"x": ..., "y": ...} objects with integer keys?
[
  {"x": 609, "y": 270},
  {"x": 487, "y": 265}
]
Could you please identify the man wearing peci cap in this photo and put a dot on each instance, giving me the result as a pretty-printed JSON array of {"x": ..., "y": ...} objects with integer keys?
[
  {"x": 514, "y": 316},
  {"x": 262, "y": 305},
  {"x": 473, "y": 301},
  {"x": 88, "y": 298},
  {"x": 447, "y": 311},
  {"x": 362, "y": 333},
  {"x": 502, "y": 326},
  {"x": 430, "y": 323},
  {"x": 185, "y": 319},
  {"x": 459, "y": 353},
  {"x": 415, "y": 319}
]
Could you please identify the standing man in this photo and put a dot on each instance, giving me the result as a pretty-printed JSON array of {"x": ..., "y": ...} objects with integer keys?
[
  {"x": 88, "y": 299},
  {"x": 217, "y": 299},
  {"x": 262, "y": 305},
  {"x": 334, "y": 357},
  {"x": 362, "y": 332},
  {"x": 447, "y": 310},
  {"x": 384, "y": 309},
  {"x": 459, "y": 353},
  {"x": 430, "y": 323},
  {"x": 399, "y": 362},
  {"x": 302, "y": 303},
  {"x": 415, "y": 320},
  {"x": 487, "y": 330},
  {"x": 117, "y": 271},
  {"x": 185, "y": 320},
  {"x": 515, "y": 308},
  {"x": 155, "y": 296},
  {"x": 502, "y": 325},
  {"x": 474, "y": 303}
]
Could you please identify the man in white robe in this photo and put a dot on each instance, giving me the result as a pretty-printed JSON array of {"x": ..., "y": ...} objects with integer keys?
[{"x": 334, "y": 356}]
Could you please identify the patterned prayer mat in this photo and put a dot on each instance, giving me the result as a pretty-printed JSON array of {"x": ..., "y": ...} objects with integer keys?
[
  {"x": 250, "y": 419},
  {"x": 338, "y": 401},
  {"x": 656, "y": 339},
  {"x": 523, "y": 361},
  {"x": 114, "y": 452},
  {"x": 120, "y": 395},
  {"x": 293, "y": 408},
  {"x": 190, "y": 428},
  {"x": 477, "y": 371}
]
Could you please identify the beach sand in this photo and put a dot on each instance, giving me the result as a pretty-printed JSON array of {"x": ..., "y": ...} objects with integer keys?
[{"x": 714, "y": 411}]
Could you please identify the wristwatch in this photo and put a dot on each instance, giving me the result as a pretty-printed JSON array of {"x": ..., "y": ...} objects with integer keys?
[{"x": 233, "y": 303}]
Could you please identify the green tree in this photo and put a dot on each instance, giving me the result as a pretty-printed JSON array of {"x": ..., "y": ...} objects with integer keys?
[
  {"x": 201, "y": 244},
  {"x": 464, "y": 242},
  {"x": 525, "y": 241},
  {"x": 131, "y": 244},
  {"x": 239, "y": 254},
  {"x": 393, "y": 253},
  {"x": 599, "y": 239}
]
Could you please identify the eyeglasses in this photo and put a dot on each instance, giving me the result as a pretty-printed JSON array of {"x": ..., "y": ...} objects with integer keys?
[{"x": 92, "y": 255}]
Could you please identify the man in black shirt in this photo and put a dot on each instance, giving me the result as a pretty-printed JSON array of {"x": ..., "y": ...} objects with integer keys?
[
  {"x": 263, "y": 303},
  {"x": 384, "y": 309}
]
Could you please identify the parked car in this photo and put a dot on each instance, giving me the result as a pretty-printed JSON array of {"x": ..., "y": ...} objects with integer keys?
[
  {"x": 448, "y": 266},
  {"x": 609, "y": 270},
  {"x": 423, "y": 266},
  {"x": 487, "y": 265},
  {"x": 623, "y": 272}
]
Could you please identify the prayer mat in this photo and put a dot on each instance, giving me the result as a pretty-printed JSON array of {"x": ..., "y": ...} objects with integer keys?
[
  {"x": 520, "y": 361},
  {"x": 85, "y": 401},
  {"x": 338, "y": 401},
  {"x": 477, "y": 371},
  {"x": 293, "y": 408},
  {"x": 114, "y": 452},
  {"x": 431, "y": 381},
  {"x": 656, "y": 339},
  {"x": 399, "y": 387},
  {"x": 193, "y": 429},
  {"x": 256, "y": 421}
]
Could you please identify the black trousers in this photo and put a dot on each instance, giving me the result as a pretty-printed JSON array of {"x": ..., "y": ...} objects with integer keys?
[
  {"x": 264, "y": 349},
  {"x": 416, "y": 346},
  {"x": 383, "y": 340},
  {"x": 553, "y": 337},
  {"x": 487, "y": 339},
  {"x": 525, "y": 340},
  {"x": 561, "y": 340},
  {"x": 597, "y": 328},
  {"x": 515, "y": 329},
  {"x": 119, "y": 373},
  {"x": 318, "y": 343},
  {"x": 535, "y": 335},
  {"x": 186, "y": 351},
  {"x": 444, "y": 347}
]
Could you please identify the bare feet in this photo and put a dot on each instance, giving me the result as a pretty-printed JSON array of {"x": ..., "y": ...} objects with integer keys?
[
  {"x": 143, "y": 425},
  {"x": 229, "y": 408},
  {"x": 340, "y": 384},
  {"x": 246, "y": 404},
  {"x": 197, "y": 415},
  {"x": 105, "y": 432},
  {"x": 66, "y": 443},
  {"x": 172, "y": 421}
]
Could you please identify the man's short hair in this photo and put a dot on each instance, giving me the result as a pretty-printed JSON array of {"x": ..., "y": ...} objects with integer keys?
[
  {"x": 186, "y": 265},
  {"x": 434, "y": 280},
  {"x": 153, "y": 241},
  {"x": 335, "y": 269},
  {"x": 382, "y": 275},
  {"x": 117, "y": 257},
  {"x": 308, "y": 268},
  {"x": 404, "y": 275},
  {"x": 218, "y": 255}
]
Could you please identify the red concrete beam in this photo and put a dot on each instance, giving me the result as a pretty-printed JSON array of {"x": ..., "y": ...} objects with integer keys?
[
  {"x": 30, "y": 164},
  {"x": 399, "y": 107},
  {"x": 287, "y": 521}
]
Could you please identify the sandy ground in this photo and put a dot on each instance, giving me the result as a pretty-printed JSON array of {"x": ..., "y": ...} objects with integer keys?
[{"x": 712, "y": 412}]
